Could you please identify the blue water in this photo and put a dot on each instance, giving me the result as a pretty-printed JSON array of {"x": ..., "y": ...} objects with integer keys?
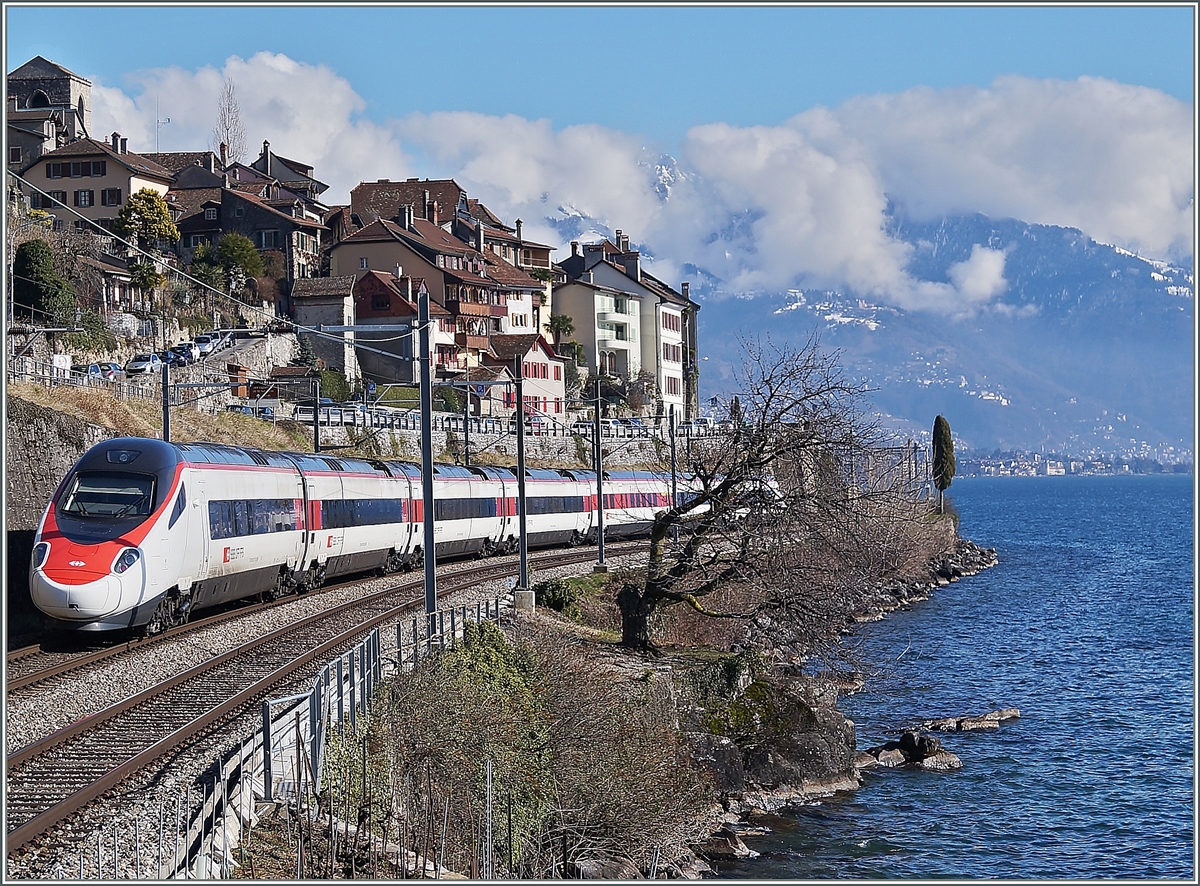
[{"x": 1086, "y": 625}]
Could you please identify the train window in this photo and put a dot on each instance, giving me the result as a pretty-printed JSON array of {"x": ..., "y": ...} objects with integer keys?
[
  {"x": 240, "y": 525},
  {"x": 180, "y": 504},
  {"x": 103, "y": 494}
]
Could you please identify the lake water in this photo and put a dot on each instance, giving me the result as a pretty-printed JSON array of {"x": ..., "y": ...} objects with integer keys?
[{"x": 1086, "y": 625}]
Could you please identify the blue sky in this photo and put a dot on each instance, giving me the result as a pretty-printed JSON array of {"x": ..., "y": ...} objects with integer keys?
[
  {"x": 650, "y": 70},
  {"x": 763, "y": 145}
]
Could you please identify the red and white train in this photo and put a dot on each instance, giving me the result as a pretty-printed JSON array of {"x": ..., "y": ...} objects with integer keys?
[{"x": 141, "y": 534}]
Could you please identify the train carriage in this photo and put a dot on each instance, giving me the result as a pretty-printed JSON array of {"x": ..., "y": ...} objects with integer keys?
[{"x": 142, "y": 533}]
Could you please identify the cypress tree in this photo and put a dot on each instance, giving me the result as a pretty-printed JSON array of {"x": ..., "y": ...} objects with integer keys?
[{"x": 943, "y": 458}]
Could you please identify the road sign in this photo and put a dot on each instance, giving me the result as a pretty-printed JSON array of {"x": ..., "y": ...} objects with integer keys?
[
  {"x": 480, "y": 390},
  {"x": 511, "y": 582},
  {"x": 371, "y": 387}
]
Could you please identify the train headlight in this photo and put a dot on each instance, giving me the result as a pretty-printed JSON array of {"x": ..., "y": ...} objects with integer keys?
[
  {"x": 128, "y": 557},
  {"x": 40, "y": 552}
]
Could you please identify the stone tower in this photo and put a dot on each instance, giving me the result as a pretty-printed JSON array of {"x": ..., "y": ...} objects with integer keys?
[{"x": 40, "y": 83}]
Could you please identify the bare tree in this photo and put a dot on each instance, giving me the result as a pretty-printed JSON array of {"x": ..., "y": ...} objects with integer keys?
[
  {"x": 229, "y": 130},
  {"x": 785, "y": 516}
]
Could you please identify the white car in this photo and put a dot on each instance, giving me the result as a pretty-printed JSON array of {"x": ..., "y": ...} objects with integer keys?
[
  {"x": 189, "y": 347},
  {"x": 143, "y": 363},
  {"x": 206, "y": 344}
]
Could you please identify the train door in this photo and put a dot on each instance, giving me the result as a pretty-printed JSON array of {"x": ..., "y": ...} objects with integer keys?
[{"x": 199, "y": 531}]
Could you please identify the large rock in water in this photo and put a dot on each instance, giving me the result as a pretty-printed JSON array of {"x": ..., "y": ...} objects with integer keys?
[{"x": 777, "y": 742}]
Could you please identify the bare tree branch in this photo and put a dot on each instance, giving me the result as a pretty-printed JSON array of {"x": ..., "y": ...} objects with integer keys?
[{"x": 228, "y": 129}]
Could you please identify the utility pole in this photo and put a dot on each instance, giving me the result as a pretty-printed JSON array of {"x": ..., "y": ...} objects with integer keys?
[
  {"x": 430, "y": 545},
  {"x": 467, "y": 419},
  {"x": 166, "y": 390},
  {"x": 601, "y": 566},
  {"x": 316, "y": 392},
  {"x": 523, "y": 598}
]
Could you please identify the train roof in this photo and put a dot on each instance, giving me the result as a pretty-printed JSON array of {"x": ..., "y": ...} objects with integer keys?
[{"x": 222, "y": 454}]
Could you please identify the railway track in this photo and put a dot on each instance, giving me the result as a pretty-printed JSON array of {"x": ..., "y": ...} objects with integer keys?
[
  {"x": 56, "y": 776},
  {"x": 31, "y": 665}
]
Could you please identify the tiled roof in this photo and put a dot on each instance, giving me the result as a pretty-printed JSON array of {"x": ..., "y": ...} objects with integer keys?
[
  {"x": 384, "y": 198},
  {"x": 508, "y": 275},
  {"x": 258, "y": 201},
  {"x": 479, "y": 211},
  {"x": 177, "y": 161},
  {"x": 375, "y": 231},
  {"x": 323, "y": 287},
  {"x": 90, "y": 147},
  {"x": 189, "y": 200},
  {"x": 509, "y": 347},
  {"x": 38, "y": 68},
  {"x": 291, "y": 371}
]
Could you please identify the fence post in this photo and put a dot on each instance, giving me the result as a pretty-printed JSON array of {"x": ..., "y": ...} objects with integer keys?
[
  {"x": 353, "y": 696},
  {"x": 268, "y": 793},
  {"x": 341, "y": 693}
]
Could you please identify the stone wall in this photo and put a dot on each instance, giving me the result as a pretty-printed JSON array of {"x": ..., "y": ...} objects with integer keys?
[{"x": 41, "y": 445}]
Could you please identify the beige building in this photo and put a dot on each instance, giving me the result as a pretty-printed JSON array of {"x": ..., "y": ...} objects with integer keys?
[{"x": 93, "y": 178}]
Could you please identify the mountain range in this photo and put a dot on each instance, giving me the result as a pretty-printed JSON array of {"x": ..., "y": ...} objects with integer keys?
[{"x": 1088, "y": 349}]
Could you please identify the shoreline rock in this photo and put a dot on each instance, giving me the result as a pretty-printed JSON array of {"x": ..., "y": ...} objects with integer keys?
[{"x": 772, "y": 769}]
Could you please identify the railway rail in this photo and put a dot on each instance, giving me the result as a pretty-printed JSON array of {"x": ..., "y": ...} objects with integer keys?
[{"x": 54, "y": 777}]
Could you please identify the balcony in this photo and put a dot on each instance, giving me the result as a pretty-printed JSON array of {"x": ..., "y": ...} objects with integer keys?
[
  {"x": 622, "y": 317},
  {"x": 471, "y": 309},
  {"x": 466, "y": 340},
  {"x": 499, "y": 310},
  {"x": 606, "y": 338}
]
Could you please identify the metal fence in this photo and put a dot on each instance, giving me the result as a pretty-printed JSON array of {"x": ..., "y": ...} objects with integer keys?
[{"x": 283, "y": 761}]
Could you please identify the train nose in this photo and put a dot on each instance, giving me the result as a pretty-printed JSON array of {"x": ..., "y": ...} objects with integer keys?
[{"x": 74, "y": 602}]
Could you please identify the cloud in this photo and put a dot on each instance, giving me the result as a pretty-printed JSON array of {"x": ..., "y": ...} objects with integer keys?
[
  {"x": 307, "y": 112},
  {"x": 1113, "y": 160},
  {"x": 762, "y": 208}
]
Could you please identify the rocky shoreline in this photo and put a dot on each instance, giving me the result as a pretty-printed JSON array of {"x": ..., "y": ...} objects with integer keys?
[{"x": 803, "y": 748}]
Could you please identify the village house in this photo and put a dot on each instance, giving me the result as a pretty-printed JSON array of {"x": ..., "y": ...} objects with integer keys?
[
  {"x": 48, "y": 108},
  {"x": 453, "y": 273},
  {"x": 329, "y": 301},
  {"x": 93, "y": 178},
  {"x": 543, "y": 383},
  {"x": 382, "y": 299},
  {"x": 628, "y": 320}
]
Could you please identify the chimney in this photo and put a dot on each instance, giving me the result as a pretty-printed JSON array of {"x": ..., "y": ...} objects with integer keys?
[
  {"x": 574, "y": 248},
  {"x": 479, "y": 236},
  {"x": 425, "y": 206},
  {"x": 224, "y": 155},
  {"x": 433, "y": 212},
  {"x": 225, "y": 184},
  {"x": 267, "y": 155},
  {"x": 617, "y": 238},
  {"x": 124, "y": 146},
  {"x": 622, "y": 242},
  {"x": 399, "y": 272},
  {"x": 683, "y": 287},
  {"x": 633, "y": 264},
  {"x": 519, "y": 237},
  {"x": 408, "y": 289},
  {"x": 116, "y": 142}
]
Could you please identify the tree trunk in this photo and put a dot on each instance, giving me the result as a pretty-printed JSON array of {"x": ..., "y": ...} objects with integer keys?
[{"x": 636, "y": 611}]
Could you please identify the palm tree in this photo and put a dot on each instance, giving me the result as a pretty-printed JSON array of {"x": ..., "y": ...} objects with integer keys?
[{"x": 560, "y": 325}]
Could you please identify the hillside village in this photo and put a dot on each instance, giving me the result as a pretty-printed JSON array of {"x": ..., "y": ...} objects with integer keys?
[{"x": 497, "y": 299}]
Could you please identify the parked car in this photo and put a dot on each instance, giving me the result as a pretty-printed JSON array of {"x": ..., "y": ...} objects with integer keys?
[
  {"x": 686, "y": 429},
  {"x": 143, "y": 363},
  {"x": 266, "y": 413},
  {"x": 110, "y": 371},
  {"x": 91, "y": 370},
  {"x": 185, "y": 356},
  {"x": 205, "y": 344},
  {"x": 583, "y": 428},
  {"x": 174, "y": 358},
  {"x": 636, "y": 427},
  {"x": 610, "y": 427},
  {"x": 238, "y": 407},
  {"x": 189, "y": 347}
]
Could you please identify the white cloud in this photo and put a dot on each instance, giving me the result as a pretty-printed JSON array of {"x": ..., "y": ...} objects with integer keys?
[
  {"x": 1113, "y": 160},
  {"x": 307, "y": 112},
  {"x": 762, "y": 208}
]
